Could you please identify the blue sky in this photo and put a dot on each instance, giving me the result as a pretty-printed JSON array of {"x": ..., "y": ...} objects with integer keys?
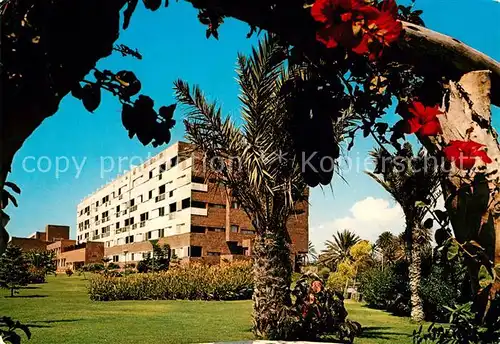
[{"x": 173, "y": 45}]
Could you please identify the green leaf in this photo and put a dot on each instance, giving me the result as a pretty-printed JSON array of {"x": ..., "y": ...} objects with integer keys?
[
  {"x": 484, "y": 275},
  {"x": 452, "y": 250},
  {"x": 441, "y": 215},
  {"x": 420, "y": 204}
]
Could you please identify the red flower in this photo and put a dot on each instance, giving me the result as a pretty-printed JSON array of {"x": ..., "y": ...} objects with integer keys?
[
  {"x": 316, "y": 286},
  {"x": 354, "y": 25},
  {"x": 464, "y": 153},
  {"x": 424, "y": 119}
]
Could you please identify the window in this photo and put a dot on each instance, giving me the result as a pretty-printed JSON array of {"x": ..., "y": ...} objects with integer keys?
[
  {"x": 150, "y": 174},
  {"x": 235, "y": 205},
  {"x": 197, "y": 229},
  {"x": 198, "y": 204},
  {"x": 161, "y": 211},
  {"x": 160, "y": 176},
  {"x": 194, "y": 251},
  {"x": 186, "y": 203},
  {"x": 247, "y": 231},
  {"x": 150, "y": 194},
  {"x": 129, "y": 221},
  {"x": 105, "y": 214},
  {"x": 97, "y": 217},
  {"x": 116, "y": 259},
  {"x": 132, "y": 202},
  {"x": 163, "y": 167},
  {"x": 140, "y": 199},
  {"x": 217, "y": 206},
  {"x": 172, "y": 207},
  {"x": 97, "y": 203},
  {"x": 117, "y": 225},
  {"x": 171, "y": 193},
  {"x": 161, "y": 189},
  {"x": 86, "y": 235},
  {"x": 132, "y": 256},
  {"x": 129, "y": 239},
  {"x": 173, "y": 161},
  {"x": 196, "y": 179},
  {"x": 144, "y": 216},
  {"x": 105, "y": 199},
  {"x": 117, "y": 208},
  {"x": 149, "y": 235},
  {"x": 96, "y": 232},
  {"x": 234, "y": 228},
  {"x": 103, "y": 230},
  {"x": 216, "y": 229},
  {"x": 213, "y": 253},
  {"x": 161, "y": 233}
]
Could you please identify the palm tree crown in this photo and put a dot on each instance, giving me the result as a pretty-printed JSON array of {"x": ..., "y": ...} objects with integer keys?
[{"x": 338, "y": 250}]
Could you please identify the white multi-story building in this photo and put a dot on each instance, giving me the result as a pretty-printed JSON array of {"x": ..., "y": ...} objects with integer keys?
[{"x": 168, "y": 198}]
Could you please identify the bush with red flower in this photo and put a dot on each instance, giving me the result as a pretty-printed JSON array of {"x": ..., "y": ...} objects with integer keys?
[
  {"x": 319, "y": 311},
  {"x": 358, "y": 26}
]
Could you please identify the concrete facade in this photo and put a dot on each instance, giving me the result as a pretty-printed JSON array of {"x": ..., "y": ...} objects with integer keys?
[{"x": 168, "y": 198}]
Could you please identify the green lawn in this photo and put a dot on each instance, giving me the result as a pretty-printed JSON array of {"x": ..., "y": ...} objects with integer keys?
[{"x": 60, "y": 312}]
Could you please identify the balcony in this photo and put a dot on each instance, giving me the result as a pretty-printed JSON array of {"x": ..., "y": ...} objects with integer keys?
[
  {"x": 143, "y": 224},
  {"x": 117, "y": 214},
  {"x": 171, "y": 216},
  {"x": 120, "y": 197},
  {"x": 95, "y": 237},
  {"x": 124, "y": 212},
  {"x": 134, "y": 226},
  {"x": 134, "y": 208},
  {"x": 105, "y": 235},
  {"x": 199, "y": 211},
  {"x": 200, "y": 187},
  {"x": 104, "y": 219},
  {"x": 97, "y": 222},
  {"x": 160, "y": 198}
]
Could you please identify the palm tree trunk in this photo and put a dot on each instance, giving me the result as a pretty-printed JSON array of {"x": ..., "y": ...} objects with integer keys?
[
  {"x": 272, "y": 279},
  {"x": 415, "y": 274}
]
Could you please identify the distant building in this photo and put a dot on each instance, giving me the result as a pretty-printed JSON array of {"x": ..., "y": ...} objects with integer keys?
[
  {"x": 69, "y": 254},
  {"x": 169, "y": 199}
]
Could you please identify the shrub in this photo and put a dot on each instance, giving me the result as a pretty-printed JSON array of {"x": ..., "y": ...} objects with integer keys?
[
  {"x": 324, "y": 272},
  {"x": 93, "y": 267},
  {"x": 194, "y": 282},
  {"x": 41, "y": 264},
  {"x": 318, "y": 312},
  {"x": 112, "y": 266},
  {"x": 377, "y": 286},
  {"x": 69, "y": 272}
]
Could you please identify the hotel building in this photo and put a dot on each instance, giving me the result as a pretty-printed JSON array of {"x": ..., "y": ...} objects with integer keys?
[{"x": 168, "y": 200}]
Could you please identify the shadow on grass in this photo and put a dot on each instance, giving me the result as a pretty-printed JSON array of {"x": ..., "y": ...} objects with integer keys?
[
  {"x": 42, "y": 323},
  {"x": 378, "y": 332},
  {"x": 26, "y": 296},
  {"x": 31, "y": 287}
]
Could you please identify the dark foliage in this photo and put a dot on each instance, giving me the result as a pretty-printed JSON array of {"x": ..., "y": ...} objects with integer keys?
[
  {"x": 158, "y": 261},
  {"x": 463, "y": 328},
  {"x": 13, "y": 269},
  {"x": 441, "y": 286},
  {"x": 8, "y": 330},
  {"x": 318, "y": 312},
  {"x": 41, "y": 263}
]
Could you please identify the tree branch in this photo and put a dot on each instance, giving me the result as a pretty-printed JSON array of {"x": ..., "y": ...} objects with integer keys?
[{"x": 430, "y": 51}]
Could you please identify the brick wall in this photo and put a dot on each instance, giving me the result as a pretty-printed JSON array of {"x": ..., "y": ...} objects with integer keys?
[
  {"x": 94, "y": 252},
  {"x": 56, "y": 232},
  {"x": 27, "y": 244}
]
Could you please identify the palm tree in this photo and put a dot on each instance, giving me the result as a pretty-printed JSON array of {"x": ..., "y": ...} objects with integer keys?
[
  {"x": 413, "y": 182},
  {"x": 387, "y": 244},
  {"x": 338, "y": 250},
  {"x": 311, "y": 252},
  {"x": 258, "y": 165}
]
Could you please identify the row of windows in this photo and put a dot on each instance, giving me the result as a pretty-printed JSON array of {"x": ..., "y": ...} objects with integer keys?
[{"x": 105, "y": 199}]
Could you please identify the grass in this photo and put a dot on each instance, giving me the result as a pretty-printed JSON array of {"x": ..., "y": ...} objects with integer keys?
[{"x": 60, "y": 312}]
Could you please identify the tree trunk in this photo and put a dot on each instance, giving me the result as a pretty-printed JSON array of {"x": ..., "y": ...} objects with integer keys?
[
  {"x": 272, "y": 279},
  {"x": 414, "y": 271},
  {"x": 474, "y": 208},
  {"x": 415, "y": 275}
]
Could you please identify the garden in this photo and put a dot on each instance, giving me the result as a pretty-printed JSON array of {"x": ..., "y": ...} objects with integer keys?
[{"x": 324, "y": 75}]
